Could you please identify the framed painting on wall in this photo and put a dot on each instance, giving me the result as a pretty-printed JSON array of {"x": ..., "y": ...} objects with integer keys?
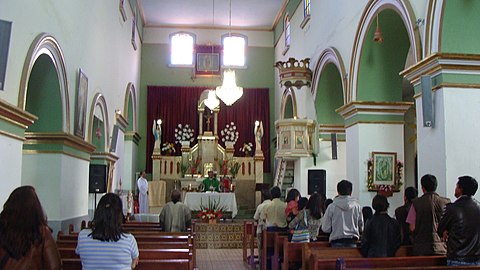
[
  {"x": 81, "y": 104},
  {"x": 384, "y": 168},
  {"x": 134, "y": 30},
  {"x": 207, "y": 60}
]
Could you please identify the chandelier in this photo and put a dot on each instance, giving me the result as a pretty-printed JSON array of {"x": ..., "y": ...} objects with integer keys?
[
  {"x": 212, "y": 101},
  {"x": 229, "y": 92}
]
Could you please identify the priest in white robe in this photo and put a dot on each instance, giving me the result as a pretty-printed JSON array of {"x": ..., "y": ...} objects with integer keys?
[{"x": 142, "y": 185}]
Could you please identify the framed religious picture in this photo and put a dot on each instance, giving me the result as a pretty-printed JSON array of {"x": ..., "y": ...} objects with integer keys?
[
  {"x": 122, "y": 10},
  {"x": 299, "y": 140},
  {"x": 207, "y": 60},
  {"x": 384, "y": 168},
  {"x": 81, "y": 104}
]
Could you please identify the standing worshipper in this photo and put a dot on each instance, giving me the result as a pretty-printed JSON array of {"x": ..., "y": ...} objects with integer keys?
[
  {"x": 343, "y": 218},
  {"x": 142, "y": 185},
  {"x": 401, "y": 213},
  {"x": 424, "y": 216},
  {"x": 274, "y": 212},
  {"x": 460, "y": 225},
  {"x": 175, "y": 216},
  {"x": 267, "y": 198},
  {"x": 381, "y": 237}
]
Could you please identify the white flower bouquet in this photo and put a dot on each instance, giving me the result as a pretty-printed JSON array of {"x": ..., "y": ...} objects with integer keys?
[
  {"x": 183, "y": 133},
  {"x": 229, "y": 133},
  {"x": 247, "y": 148}
]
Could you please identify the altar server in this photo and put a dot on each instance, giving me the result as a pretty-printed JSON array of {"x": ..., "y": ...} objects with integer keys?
[{"x": 142, "y": 185}]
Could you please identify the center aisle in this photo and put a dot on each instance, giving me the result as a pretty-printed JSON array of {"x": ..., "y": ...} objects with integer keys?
[{"x": 221, "y": 259}]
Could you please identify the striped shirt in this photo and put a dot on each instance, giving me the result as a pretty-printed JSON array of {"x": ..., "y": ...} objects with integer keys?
[{"x": 96, "y": 254}]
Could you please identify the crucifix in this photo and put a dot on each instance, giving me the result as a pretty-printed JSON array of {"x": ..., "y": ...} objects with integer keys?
[{"x": 208, "y": 116}]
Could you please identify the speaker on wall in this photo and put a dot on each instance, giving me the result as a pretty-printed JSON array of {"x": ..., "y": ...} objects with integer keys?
[
  {"x": 97, "y": 178},
  {"x": 5, "y": 31},
  {"x": 427, "y": 101},
  {"x": 317, "y": 181},
  {"x": 334, "y": 146}
]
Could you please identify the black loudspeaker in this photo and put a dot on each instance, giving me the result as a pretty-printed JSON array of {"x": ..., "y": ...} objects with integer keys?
[
  {"x": 334, "y": 146},
  {"x": 317, "y": 181},
  {"x": 113, "y": 144},
  {"x": 97, "y": 178},
  {"x": 5, "y": 31},
  {"x": 427, "y": 102}
]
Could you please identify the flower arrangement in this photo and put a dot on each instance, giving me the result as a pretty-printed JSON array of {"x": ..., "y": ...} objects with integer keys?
[
  {"x": 385, "y": 188},
  {"x": 235, "y": 168},
  {"x": 229, "y": 166},
  {"x": 247, "y": 148},
  {"x": 168, "y": 148},
  {"x": 194, "y": 164},
  {"x": 229, "y": 133},
  {"x": 183, "y": 133},
  {"x": 212, "y": 210}
]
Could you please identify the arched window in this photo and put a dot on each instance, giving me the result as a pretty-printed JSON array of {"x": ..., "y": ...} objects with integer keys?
[
  {"x": 234, "y": 47},
  {"x": 287, "y": 31},
  {"x": 181, "y": 48}
]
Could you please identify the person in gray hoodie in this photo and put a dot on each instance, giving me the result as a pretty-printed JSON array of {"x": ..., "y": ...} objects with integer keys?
[{"x": 343, "y": 218}]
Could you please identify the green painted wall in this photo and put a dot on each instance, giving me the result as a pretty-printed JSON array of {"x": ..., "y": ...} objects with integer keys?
[
  {"x": 329, "y": 96},
  {"x": 290, "y": 9},
  {"x": 380, "y": 64},
  {"x": 43, "y": 96},
  {"x": 288, "y": 113},
  {"x": 460, "y": 27},
  {"x": 98, "y": 142},
  {"x": 155, "y": 71}
]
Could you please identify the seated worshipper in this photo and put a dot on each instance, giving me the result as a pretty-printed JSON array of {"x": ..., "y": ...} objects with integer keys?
[
  {"x": 314, "y": 213},
  {"x": 291, "y": 211},
  {"x": 381, "y": 237},
  {"x": 26, "y": 242},
  {"x": 106, "y": 245},
  {"x": 274, "y": 212},
  {"x": 211, "y": 183},
  {"x": 175, "y": 216},
  {"x": 302, "y": 203}
]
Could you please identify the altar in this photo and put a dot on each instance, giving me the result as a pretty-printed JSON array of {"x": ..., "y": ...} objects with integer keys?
[{"x": 227, "y": 201}]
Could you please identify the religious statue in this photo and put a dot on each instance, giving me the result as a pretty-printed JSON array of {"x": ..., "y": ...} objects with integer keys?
[
  {"x": 258, "y": 131},
  {"x": 157, "y": 133}
]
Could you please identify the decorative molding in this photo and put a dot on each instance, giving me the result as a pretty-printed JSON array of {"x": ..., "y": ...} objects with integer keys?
[
  {"x": 111, "y": 157},
  {"x": 58, "y": 138},
  {"x": 306, "y": 19},
  {"x": 375, "y": 123},
  {"x": 331, "y": 128},
  {"x": 15, "y": 115},
  {"x": 133, "y": 136},
  {"x": 377, "y": 108},
  {"x": 295, "y": 72},
  {"x": 121, "y": 121}
]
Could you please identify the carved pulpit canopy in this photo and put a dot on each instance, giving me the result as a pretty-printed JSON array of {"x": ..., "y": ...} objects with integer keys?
[{"x": 295, "y": 72}]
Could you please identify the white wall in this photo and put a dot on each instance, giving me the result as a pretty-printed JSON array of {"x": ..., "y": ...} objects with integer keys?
[{"x": 10, "y": 158}]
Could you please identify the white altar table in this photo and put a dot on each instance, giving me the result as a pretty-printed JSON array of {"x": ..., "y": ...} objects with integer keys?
[{"x": 226, "y": 200}]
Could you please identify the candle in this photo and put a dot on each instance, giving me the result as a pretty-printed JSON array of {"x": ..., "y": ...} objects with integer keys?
[
  {"x": 231, "y": 187},
  {"x": 189, "y": 186}
]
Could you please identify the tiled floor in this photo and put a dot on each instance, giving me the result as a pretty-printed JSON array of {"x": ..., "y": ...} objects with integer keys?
[{"x": 221, "y": 259}]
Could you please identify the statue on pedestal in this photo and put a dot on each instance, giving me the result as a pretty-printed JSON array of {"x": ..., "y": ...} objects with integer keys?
[
  {"x": 157, "y": 134},
  {"x": 258, "y": 131}
]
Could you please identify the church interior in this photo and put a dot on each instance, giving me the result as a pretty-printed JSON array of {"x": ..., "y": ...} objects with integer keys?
[{"x": 290, "y": 93}]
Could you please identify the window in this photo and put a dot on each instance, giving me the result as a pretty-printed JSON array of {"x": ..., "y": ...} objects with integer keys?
[
  {"x": 182, "y": 49},
  {"x": 234, "y": 50},
  {"x": 287, "y": 31},
  {"x": 306, "y": 8}
]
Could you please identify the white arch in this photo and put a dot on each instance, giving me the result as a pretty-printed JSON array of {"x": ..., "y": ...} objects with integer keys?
[
  {"x": 130, "y": 93},
  {"x": 329, "y": 56},
  {"x": 288, "y": 93},
  {"x": 99, "y": 100},
  {"x": 433, "y": 22},
  {"x": 404, "y": 10},
  {"x": 48, "y": 45}
]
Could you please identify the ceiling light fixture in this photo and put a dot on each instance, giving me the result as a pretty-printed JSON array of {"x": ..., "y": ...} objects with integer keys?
[
  {"x": 229, "y": 92},
  {"x": 378, "y": 37}
]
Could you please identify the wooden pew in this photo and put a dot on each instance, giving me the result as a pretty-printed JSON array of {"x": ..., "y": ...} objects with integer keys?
[
  {"x": 318, "y": 263},
  {"x": 436, "y": 267},
  {"x": 164, "y": 264},
  {"x": 293, "y": 252},
  {"x": 249, "y": 232},
  {"x": 172, "y": 237},
  {"x": 180, "y": 244},
  {"x": 278, "y": 242},
  {"x": 267, "y": 247}
]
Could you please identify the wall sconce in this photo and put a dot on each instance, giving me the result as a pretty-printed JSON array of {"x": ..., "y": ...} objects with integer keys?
[{"x": 378, "y": 37}]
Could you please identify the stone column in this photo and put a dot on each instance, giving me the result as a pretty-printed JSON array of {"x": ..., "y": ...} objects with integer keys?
[{"x": 372, "y": 127}]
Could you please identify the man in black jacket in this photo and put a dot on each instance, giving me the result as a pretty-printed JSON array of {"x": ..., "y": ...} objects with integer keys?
[{"x": 460, "y": 225}]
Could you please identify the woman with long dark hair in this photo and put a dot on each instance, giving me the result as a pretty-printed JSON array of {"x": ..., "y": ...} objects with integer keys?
[
  {"x": 26, "y": 242},
  {"x": 106, "y": 245},
  {"x": 313, "y": 212},
  {"x": 292, "y": 198}
]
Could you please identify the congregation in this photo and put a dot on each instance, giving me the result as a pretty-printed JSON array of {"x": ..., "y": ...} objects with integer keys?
[{"x": 430, "y": 223}]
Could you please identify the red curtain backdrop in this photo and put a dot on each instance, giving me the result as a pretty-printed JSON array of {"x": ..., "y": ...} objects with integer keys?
[{"x": 178, "y": 105}]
